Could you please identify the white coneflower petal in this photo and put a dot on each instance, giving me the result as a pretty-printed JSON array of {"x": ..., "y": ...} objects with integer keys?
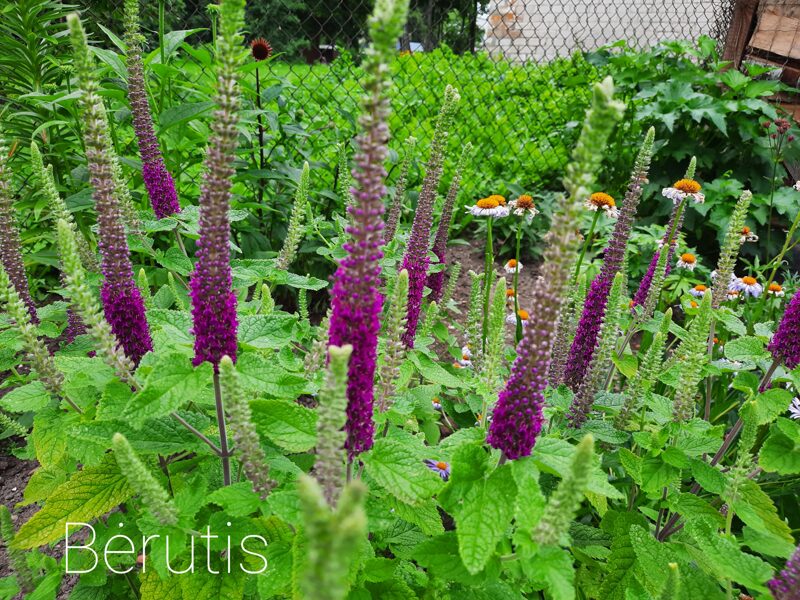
[
  {"x": 699, "y": 290},
  {"x": 684, "y": 188},
  {"x": 687, "y": 261},
  {"x": 794, "y": 409},
  {"x": 513, "y": 266},
  {"x": 775, "y": 289},
  {"x": 748, "y": 286}
]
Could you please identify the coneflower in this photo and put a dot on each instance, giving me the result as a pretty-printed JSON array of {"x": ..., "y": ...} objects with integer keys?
[
  {"x": 436, "y": 280},
  {"x": 356, "y": 302},
  {"x": 122, "y": 301},
  {"x": 10, "y": 245},
  {"x": 213, "y": 300},
  {"x": 157, "y": 180},
  {"x": 517, "y": 417},
  {"x": 416, "y": 259},
  {"x": 585, "y": 342},
  {"x": 260, "y": 49}
]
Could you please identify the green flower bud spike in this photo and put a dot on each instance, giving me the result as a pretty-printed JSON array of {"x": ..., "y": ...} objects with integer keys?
[
  {"x": 494, "y": 342},
  {"x": 333, "y": 539},
  {"x": 730, "y": 249},
  {"x": 247, "y": 444},
  {"x": 176, "y": 294},
  {"x": 87, "y": 306},
  {"x": 692, "y": 356},
  {"x": 474, "y": 324},
  {"x": 294, "y": 234},
  {"x": 9, "y": 424},
  {"x": 16, "y": 558},
  {"x": 344, "y": 180},
  {"x": 452, "y": 282},
  {"x": 563, "y": 504},
  {"x": 302, "y": 304},
  {"x": 154, "y": 496},
  {"x": 568, "y": 322},
  {"x": 37, "y": 352},
  {"x": 144, "y": 288},
  {"x": 267, "y": 302},
  {"x": 393, "y": 349},
  {"x": 331, "y": 416},
  {"x": 646, "y": 375},
  {"x": 315, "y": 359},
  {"x": 396, "y": 207}
]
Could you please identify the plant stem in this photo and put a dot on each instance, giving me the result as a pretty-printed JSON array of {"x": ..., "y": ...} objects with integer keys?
[
  {"x": 197, "y": 433},
  {"x": 586, "y": 242},
  {"x": 518, "y": 330},
  {"x": 164, "y": 84},
  {"x": 771, "y": 197},
  {"x": 223, "y": 434},
  {"x": 487, "y": 278},
  {"x": 260, "y": 136},
  {"x": 709, "y": 379}
]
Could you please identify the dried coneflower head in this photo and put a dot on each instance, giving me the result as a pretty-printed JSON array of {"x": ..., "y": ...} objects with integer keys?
[{"x": 260, "y": 49}]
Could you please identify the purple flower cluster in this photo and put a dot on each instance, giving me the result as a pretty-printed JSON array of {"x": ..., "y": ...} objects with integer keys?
[
  {"x": 586, "y": 334},
  {"x": 644, "y": 287},
  {"x": 10, "y": 245},
  {"x": 785, "y": 344},
  {"x": 356, "y": 302},
  {"x": 786, "y": 584},
  {"x": 157, "y": 180}
]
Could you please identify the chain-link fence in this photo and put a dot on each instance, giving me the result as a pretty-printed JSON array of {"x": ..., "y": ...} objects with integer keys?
[{"x": 520, "y": 64}]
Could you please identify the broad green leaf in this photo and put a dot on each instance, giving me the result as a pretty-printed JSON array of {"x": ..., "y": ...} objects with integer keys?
[
  {"x": 397, "y": 469},
  {"x": 286, "y": 424},
  {"x": 238, "y": 499},
  {"x": 175, "y": 260},
  {"x": 440, "y": 557},
  {"x": 43, "y": 482},
  {"x": 484, "y": 515},
  {"x": 176, "y": 324},
  {"x": 626, "y": 364},
  {"x": 433, "y": 371},
  {"x": 771, "y": 404},
  {"x": 272, "y": 331},
  {"x": 50, "y": 436},
  {"x": 154, "y": 588},
  {"x": 172, "y": 383},
  {"x": 89, "y": 494},
  {"x": 266, "y": 377},
  {"x": 725, "y": 559},
  {"x": 656, "y": 474},
  {"x": 551, "y": 569},
  {"x": 30, "y": 397},
  {"x": 620, "y": 575},
  {"x": 781, "y": 450},
  {"x": 652, "y": 557},
  {"x": 424, "y": 514},
  {"x": 756, "y": 509},
  {"x": 748, "y": 350},
  {"x": 554, "y": 455},
  {"x": 182, "y": 113}
]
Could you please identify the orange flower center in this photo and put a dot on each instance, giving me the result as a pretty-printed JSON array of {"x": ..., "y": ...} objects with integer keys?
[
  {"x": 465, "y": 356},
  {"x": 745, "y": 231},
  {"x": 501, "y": 201},
  {"x": 688, "y": 258},
  {"x": 523, "y": 314},
  {"x": 489, "y": 202},
  {"x": 687, "y": 186},
  {"x": 525, "y": 201},
  {"x": 456, "y": 366},
  {"x": 700, "y": 287},
  {"x": 693, "y": 304},
  {"x": 775, "y": 287},
  {"x": 601, "y": 199},
  {"x": 747, "y": 280},
  {"x": 435, "y": 400},
  {"x": 512, "y": 264},
  {"x": 441, "y": 465},
  {"x": 733, "y": 293},
  {"x": 509, "y": 293}
]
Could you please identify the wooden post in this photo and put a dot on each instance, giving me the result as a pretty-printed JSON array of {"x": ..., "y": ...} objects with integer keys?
[{"x": 744, "y": 12}]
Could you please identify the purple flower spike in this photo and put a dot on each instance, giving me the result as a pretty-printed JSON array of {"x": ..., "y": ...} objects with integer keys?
[
  {"x": 644, "y": 287},
  {"x": 784, "y": 344},
  {"x": 157, "y": 180},
  {"x": 441, "y": 468},
  {"x": 356, "y": 302},
  {"x": 786, "y": 584},
  {"x": 585, "y": 342}
]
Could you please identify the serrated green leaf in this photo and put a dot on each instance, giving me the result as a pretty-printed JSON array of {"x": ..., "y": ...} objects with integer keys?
[
  {"x": 748, "y": 349},
  {"x": 286, "y": 424},
  {"x": 268, "y": 378},
  {"x": 172, "y": 383},
  {"x": 781, "y": 450},
  {"x": 656, "y": 474},
  {"x": 552, "y": 570},
  {"x": 154, "y": 588},
  {"x": 176, "y": 324},
  {"x": 238, "y": 499},
  {"x": 87, "y": 495},
  {"x": 397, "y": 469},
  {"x": 175, "y": 260},
  {"x": 756, "y": 509},
  {"x": 424, "y": 514},
  {"x": 433, "y": 371},
  {"x": 30, "y": 397},
  {"x": 554, "y": 455},
  {"x": 484, "y": 515},
  {"x": 273, "y": 331}
]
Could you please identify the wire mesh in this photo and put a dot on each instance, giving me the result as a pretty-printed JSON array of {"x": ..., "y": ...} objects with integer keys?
[{"x": 518, "y": 63}]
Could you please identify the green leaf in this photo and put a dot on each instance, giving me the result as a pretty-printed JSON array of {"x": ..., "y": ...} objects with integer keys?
[
  {"x": 424, "y": 514},
  {"x": 484, "y": 515},
  {"x": 266, "y": 377},
  {"x": 182, "y": 113},
  {"x": 433, "y": 371},
  {"x": 172, "y": 383},
  {"x": 771, "y": 404},
  {"x": 440, "y": 557},
  {"x": 725, "y": 559},
  {"x": 652, "y": 557},
  {"x": 396, "y": 468},
  {"x": 748, "y": 350},
  {"x": 238, "y": 499},
  {"x": 551, "y": 569},
  {"x": 154, "y": 588},
  {"x": 781, "y": 450},
  {"x": 554, "y": 455},
  {"x": 89, "y": 494},
  {"x": 286, "y": 424},
  {"x": 175, "y": 260},
  {"x": 176, "y": 324},
  {"x": 756, "y": 509},
  {"x": 30, "y": 397},
  {"x": 272, "y": 331},
  {"x": 626, "y": 364},
  {"x": 656, "y": 475}
]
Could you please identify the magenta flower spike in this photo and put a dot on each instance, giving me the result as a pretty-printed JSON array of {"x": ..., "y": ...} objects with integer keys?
[
  {"x": 786, "y": 584},
  {"x": 122, "y": 301},
  {"x": 213, "y": 300},
  {"x": 356, "y": 303},
  {"x": 594, "y": 308},
  {"x": 785, "y": 344},
  {"x": 644, "y": 286},
  {"x": 517, "y": 417},
  {"x": 157, "y": 180}
]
